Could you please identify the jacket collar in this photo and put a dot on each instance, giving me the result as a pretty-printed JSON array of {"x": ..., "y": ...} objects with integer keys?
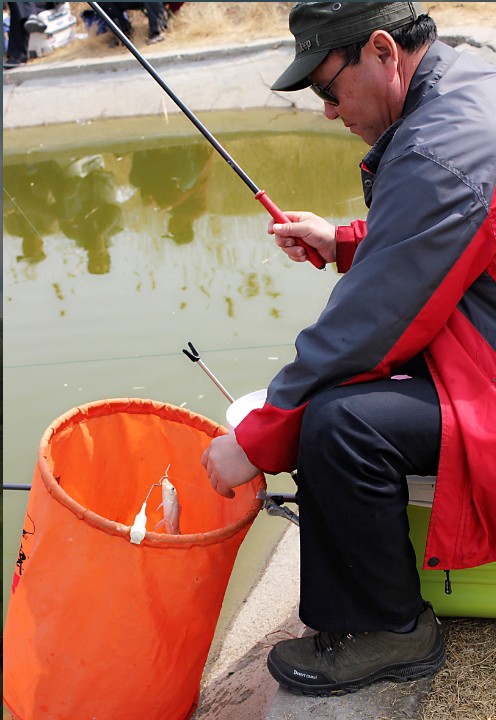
[{"x": 431, "y": 69}]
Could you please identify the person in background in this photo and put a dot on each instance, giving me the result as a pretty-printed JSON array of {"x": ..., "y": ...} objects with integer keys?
[
  {"x": 117, "y": 12},
  {"x": 397, "y": 375},
  {"x": 157, "y": 21},
  {"x": 24, "y": 20},
  {"x": 182, "y": 191},
  {"x": 155, "y": 12}
]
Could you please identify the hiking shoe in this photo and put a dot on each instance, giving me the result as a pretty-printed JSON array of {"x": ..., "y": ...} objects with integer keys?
[
  {"x": 325, "y": 663},
  {"x": 34, "y": 24},
  {"x": 156, "y": 38},
  {"x": 12, "y": 63}
]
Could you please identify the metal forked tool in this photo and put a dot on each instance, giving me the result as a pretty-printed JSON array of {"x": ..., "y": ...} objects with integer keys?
[
  {"x": 272, "y": 502},
  {"x": 194, "y": 356}
]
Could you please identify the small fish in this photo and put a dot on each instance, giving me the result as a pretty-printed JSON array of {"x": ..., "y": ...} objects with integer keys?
[{"x": 171, "y": 508}]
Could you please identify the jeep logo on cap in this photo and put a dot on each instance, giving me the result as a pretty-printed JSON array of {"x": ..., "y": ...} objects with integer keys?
[{"x": 305, "y": 45}]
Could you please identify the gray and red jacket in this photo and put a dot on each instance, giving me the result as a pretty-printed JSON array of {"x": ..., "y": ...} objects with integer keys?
[{"x": 420, "y": 277}]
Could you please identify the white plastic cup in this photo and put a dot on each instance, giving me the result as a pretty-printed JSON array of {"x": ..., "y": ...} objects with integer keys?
[{"x": 240, "y": 408}]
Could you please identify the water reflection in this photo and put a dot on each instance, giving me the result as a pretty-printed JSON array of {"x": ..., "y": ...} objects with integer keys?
[
  {"x": 183, "y": 186},
  {"x": 77, "y": 194},
  {"x": 88, "y": 212},
  {"x": 118, "y": 253},
  {"x": 111, "y": 250},
  {"x": 163, "y": 191},
  {"x": 25, "y": 183}
]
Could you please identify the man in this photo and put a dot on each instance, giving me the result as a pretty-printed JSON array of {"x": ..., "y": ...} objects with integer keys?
[
  {"x": 418, "y": 299},
  {"x": 24, "y": 20},
  {"x": 155, "y": 11}
]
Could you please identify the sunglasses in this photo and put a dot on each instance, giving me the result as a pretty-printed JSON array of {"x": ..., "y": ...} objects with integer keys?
[{"x": 324, "y": 93}]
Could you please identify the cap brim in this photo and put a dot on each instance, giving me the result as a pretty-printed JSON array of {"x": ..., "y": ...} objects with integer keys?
[{"x": 295, "y": 77}]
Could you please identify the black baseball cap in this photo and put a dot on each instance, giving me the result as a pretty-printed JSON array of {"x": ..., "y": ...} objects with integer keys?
[{"x": 319, "y": 27}]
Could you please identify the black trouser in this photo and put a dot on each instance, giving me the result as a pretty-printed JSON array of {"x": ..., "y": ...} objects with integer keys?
[
  {"x": 116, "y": 12},
  {"x": 155, "y": 12},
  {"x": 156, "y": 17},
  {"x": 357, "y": 444},
  {"x": 18, "y": 37}
]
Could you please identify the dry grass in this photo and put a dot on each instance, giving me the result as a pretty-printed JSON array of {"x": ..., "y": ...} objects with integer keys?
[
  {"x": 462, "y": 13},
  {"x": 236, "y": 23},
  {"x": 196, "y": 24},
  {"x": 465, "y": 688}
]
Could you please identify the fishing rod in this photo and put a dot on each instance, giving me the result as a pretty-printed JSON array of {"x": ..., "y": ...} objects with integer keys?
[
  {"x": 313, "y": 256},
  {"x": 273, "y": 503}
]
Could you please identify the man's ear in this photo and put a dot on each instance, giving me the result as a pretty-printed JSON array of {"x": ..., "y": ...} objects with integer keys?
[{"x": 382, "y": 46}]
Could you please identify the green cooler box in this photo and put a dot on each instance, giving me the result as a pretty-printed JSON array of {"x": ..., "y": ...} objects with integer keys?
[{"x": 473, "y": 590}]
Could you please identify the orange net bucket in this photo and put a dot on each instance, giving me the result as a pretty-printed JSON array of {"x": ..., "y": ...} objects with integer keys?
[{"x": 99, "y": 627}]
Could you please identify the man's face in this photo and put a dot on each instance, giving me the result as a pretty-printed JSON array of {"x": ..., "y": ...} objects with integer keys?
[{"x": 368, "y": 94}]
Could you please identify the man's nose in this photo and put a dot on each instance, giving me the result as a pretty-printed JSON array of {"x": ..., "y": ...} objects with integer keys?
[{"x": 330, "y": 111}]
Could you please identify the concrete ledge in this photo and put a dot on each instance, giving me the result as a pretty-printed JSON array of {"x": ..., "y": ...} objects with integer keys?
[
  {"x": 97, "y": 91},
  {"x": 271, "y": 603},
  {"x": 160, "y": 60},
  {"x": 206, "y": 79},
  {"x": 381, "y": 701},
  {"x": 474, "y": 36},
  {"x": 236, "y": 682}
]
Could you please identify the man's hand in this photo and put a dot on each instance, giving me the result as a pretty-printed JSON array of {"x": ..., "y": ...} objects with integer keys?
[
  {"x": 227, "y": 465},
  {"x": 314, "y": 230}
]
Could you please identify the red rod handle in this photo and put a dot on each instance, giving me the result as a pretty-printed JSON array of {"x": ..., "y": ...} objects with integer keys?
[{"x": 315, "y": 258}]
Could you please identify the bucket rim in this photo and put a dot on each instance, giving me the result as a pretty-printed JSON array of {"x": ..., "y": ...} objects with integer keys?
[{"x": 138, "y": 406}]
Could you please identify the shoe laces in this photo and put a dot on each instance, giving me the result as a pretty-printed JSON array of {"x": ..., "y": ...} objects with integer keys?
[{"x": 326, "y": 642}]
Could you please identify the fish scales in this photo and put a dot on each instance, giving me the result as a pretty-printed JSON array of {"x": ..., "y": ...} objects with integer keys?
[{"x": 170, "y": 508}]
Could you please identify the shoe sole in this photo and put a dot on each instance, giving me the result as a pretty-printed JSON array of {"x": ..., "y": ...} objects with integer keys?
[
  {"x": 154, "y": 41},
  {"x": 395, "y": 673},
  {"x": 34, "y": 28}
]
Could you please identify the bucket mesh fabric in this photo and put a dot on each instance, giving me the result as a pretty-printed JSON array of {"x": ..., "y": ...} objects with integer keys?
[{"x": 100, "y": 627}]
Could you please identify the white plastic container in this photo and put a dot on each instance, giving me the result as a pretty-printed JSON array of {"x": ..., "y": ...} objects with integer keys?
[
  {"x": 240, "y": 408},
  {"x": 59, "y": 31}
]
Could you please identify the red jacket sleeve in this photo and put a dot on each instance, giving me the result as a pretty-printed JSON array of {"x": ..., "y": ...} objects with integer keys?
[
  {"x": 348, "y": 237},
  {"x": 270, "y": 437}
]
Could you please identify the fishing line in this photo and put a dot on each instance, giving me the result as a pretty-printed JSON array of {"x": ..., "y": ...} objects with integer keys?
[
  {"x": 141, "y": 357},
  {"x": 48, "y": 268},
  {"x": 14, "y": 203},
  {"x": 95, "y": 360},
  {"x": 138, "y": 529}
]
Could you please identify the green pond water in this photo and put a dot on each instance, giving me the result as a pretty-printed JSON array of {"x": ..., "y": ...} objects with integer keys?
[{"x": 124, "y": 240}]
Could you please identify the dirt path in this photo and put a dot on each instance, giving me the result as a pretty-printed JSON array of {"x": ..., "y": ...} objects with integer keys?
[{"x": 210, "y": 23}]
